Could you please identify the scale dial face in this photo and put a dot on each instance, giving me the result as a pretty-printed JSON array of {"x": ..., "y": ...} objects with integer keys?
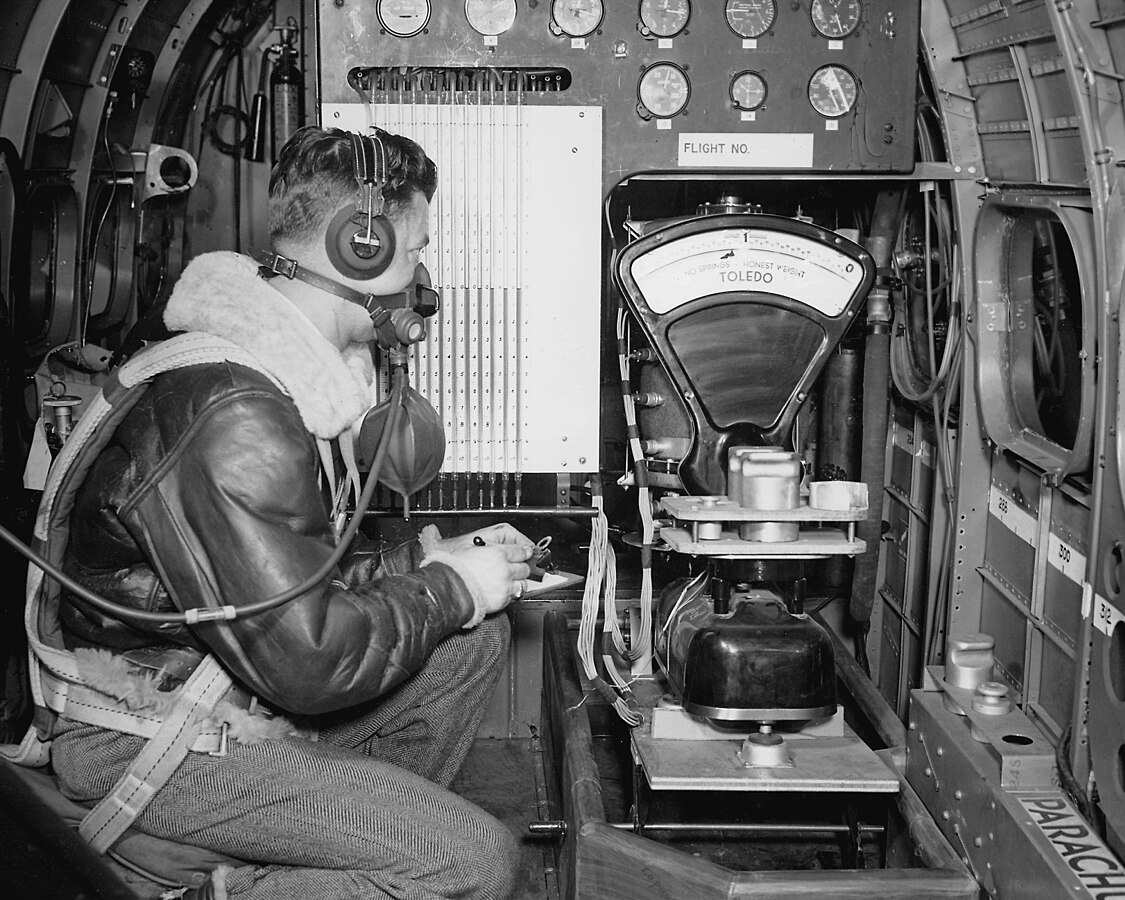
[
  {"x": 748, "y": 90},
  {"x": 577, "y": 18},
  {"x": 403, "y": 18},
  {"x": 835, "y": 19},
  {"x": 750, "y": 18},
  {"x": 490, "y": 17},
  {"x": 664, "y": 90},
  {"x": 832, "y": 91},
  {"x": 665, "y": 18}
]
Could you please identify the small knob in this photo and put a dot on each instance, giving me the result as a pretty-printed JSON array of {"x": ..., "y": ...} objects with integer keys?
[{"x": 991, "y": 699}]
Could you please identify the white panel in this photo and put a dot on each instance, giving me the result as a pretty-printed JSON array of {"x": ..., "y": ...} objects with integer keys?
[
  {"x": 733, "y": 150},
  {"x": 512, "y": 361}
]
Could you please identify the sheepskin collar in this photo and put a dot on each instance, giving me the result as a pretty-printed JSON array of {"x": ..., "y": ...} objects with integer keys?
[{"x": 221, "y": 294}]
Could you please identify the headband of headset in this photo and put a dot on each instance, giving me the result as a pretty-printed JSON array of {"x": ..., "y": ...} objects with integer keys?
[{"x": 360, "y": 239}]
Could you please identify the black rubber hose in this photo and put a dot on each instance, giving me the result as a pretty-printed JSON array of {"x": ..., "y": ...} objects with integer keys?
[
  {"x": 876, "y": 388},
  {"x": 876, "y": 381}
]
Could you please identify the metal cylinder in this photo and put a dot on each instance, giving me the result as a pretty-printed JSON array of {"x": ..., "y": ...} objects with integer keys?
[
  {"x": 770, "y": 478},
  {"x": 969, "y": 659}
]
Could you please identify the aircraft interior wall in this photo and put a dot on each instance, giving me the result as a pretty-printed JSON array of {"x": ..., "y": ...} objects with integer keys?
[{"x": 794, "y": 324}]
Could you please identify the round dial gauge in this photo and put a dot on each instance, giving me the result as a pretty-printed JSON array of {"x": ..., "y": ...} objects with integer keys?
[
  {"x": 748, "y": 90},
  {"x": 577, "y": 18},
  {"x": 664, "y": 90},
  {"x": 750, "y": 18},
  {"x": 403, "y": 18},
  {"x": 664, "y": 18},
  {"x": 832, "y": 91},
  {"x": 835, "y": 18},
  {"x": 490, "y": 17}
]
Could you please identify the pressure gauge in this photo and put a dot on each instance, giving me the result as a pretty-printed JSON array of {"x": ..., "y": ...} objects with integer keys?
[
  {"x": 664, "y": 18},
  {"x": 490, "y": 17},
  {"x": 403, "y": 18},
  {"x": 750, "y": 18},
  {"x": 664, "y": 90},
  {"x": 577, "y": 18},
  {"x": 835, "y": 19},
  {"x": 832, "y": 91},
  {"x": 748, "y": 90}
]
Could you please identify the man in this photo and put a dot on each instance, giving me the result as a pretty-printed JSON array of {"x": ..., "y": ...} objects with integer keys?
[{"x": 215, "y": 491}]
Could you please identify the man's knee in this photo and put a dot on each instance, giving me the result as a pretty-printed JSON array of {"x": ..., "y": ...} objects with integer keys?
[
  {"x": 495, "y": 870},
  {"x": 493, "y": 636}
]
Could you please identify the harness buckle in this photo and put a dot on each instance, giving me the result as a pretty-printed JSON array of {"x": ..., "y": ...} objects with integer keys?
[
  {"x": 280, "y": 265},
  {"x": 223, "y": 744}
]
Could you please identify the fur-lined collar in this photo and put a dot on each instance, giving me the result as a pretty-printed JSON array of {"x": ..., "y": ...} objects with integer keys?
[{"x": 221, "y": 294}]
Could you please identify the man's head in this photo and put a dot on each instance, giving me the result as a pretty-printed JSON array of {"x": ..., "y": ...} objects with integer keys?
[{"x": 315, "y": 177}]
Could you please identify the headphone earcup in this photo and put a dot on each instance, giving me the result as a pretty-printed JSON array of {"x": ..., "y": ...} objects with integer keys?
[{"x": 351, "y": 258}]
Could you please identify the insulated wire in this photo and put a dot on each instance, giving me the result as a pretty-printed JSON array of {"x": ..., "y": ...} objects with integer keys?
[
  {"x": 941, "y": 390},
  {"x": 642, "y": 643},
  {"x": 600, "y": 572}
]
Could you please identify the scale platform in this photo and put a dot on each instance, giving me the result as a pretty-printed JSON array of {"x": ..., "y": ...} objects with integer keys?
[
  {"x": 830, "y": 759},
  {"x": 814, "y": 540}
]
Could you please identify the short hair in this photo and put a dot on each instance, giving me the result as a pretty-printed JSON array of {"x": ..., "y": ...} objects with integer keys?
[{"x": 315, "y": 176}]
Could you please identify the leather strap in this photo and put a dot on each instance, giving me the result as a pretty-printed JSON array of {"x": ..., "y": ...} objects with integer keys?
[{"x": 276, "y": 264}]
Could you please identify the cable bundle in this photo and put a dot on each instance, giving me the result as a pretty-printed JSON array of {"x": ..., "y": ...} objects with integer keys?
[{"x": 601, "y": 571}]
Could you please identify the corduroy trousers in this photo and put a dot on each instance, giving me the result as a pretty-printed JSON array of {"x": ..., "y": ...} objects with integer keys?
[{"x": 364, "y": 812}]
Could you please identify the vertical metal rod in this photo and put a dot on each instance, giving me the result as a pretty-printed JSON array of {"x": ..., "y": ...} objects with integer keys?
[
  {"x": 519, "y": 293},
  {"x": 451, "y": 356},
  {"x": 482, "y": 275},
  {"x": 506, "y": 341},
  {"x": 492, "y": 230},
  {"x": 466, "y": 388}
]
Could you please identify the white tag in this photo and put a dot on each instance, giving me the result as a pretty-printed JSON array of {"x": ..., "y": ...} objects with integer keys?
[
  {"x": 1016, "y": 519},
  {"x": 38, "y": 460},
  {"x": 1106, "y": 616},
  {"x": 1066, "y": 558}
]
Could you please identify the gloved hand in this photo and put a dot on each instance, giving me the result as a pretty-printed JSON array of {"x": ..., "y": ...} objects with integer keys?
[{"x": 494, "y": 573}]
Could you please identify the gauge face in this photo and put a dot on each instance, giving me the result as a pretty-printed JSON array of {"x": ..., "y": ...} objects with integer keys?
[
  {"x": 665, "y": 18},
  {"x": 748, "y": 90},
  {"x": 750, "y": 18},
  {"x": 403, "y": 18},
  {"x": 490, "y": 17},
  {"x": 832, "y": 91},
  {"x": 835, "y": 18},
  {"x": 664, "y": 90},
  {"x": 577, "y": 18}
]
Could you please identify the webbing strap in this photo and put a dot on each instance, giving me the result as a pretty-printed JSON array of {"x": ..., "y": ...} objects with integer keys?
[
  {"x": 93, "y": 430},
  {"x": 160, "y": 757}
]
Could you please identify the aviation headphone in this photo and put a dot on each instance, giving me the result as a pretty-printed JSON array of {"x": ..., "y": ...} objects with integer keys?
[{"x": 360, "y": 240}]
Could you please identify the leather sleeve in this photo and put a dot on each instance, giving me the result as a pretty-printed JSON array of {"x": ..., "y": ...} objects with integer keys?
[{"x": 237, "y": 516}]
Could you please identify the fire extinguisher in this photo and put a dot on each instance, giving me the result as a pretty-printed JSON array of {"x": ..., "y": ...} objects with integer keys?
[
  {"x": 287, "y": 97},
  {"x": 287, "y": 90}
]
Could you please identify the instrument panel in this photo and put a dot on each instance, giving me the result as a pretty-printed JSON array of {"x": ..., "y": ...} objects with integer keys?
[{"x": 820, "y": 85}]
